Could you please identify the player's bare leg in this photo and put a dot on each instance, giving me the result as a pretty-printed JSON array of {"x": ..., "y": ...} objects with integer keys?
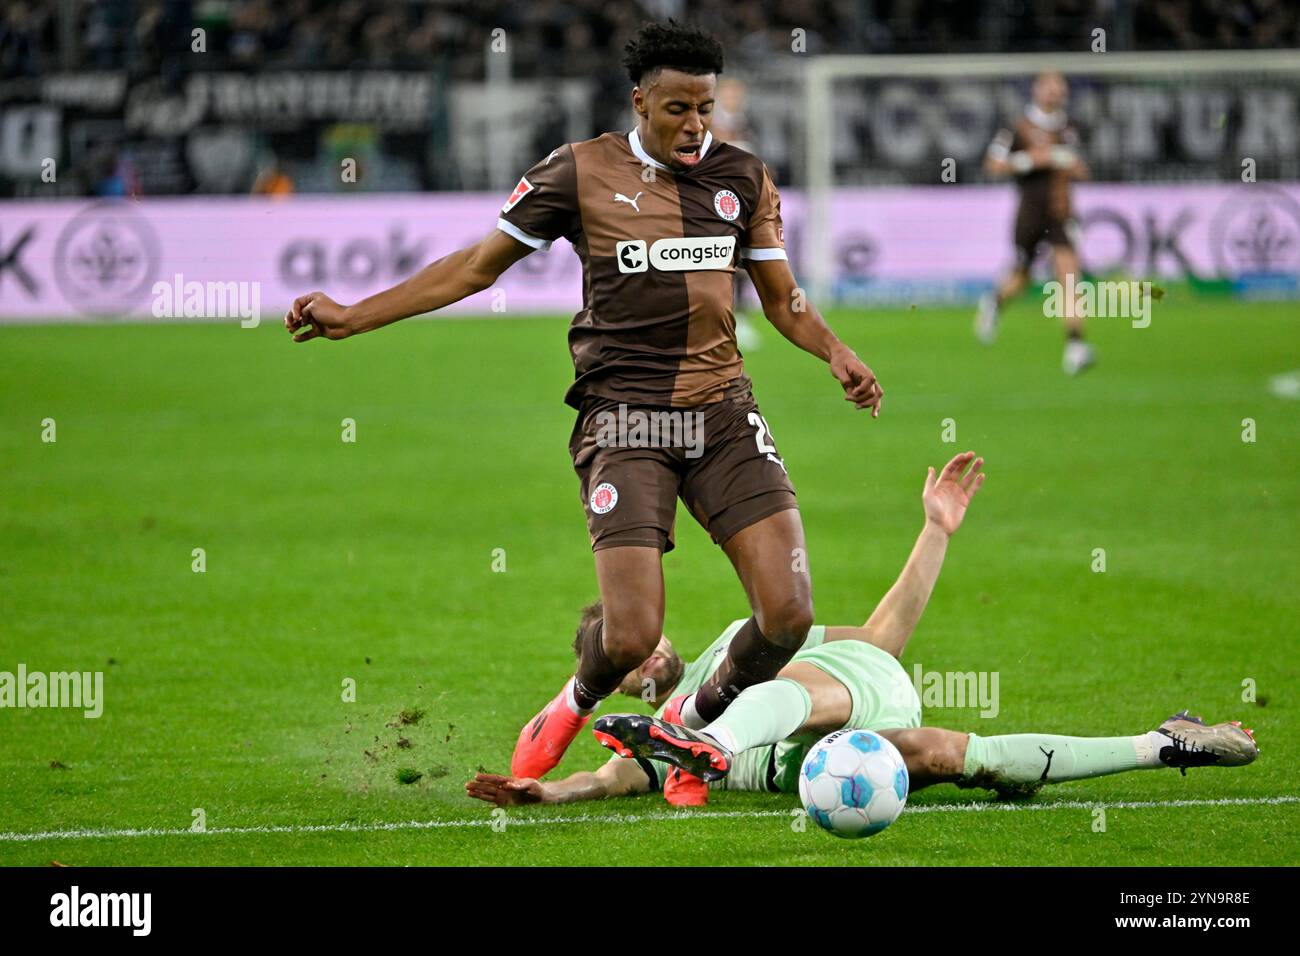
[
  {"x": 991, "y": 303},
  {"x": 1066, "y": 262},
  {"x": 770, "y": 556},
  {"x": 631, "y": 581},
  {"x": 932, "y": 754},
  {"x": 632, "y": 592},
  {"x": 1078, "y": 353},
  {"x": 830, "y": 705}
]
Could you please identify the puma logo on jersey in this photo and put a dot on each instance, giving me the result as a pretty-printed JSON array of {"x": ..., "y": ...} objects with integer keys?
[{"x": 619, "y": 197}]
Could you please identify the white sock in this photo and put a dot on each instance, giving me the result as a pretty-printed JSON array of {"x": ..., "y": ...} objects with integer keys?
[
  {"x": 1148, "y": 748},
  {"x": 691, "y": 717},
  {"x": 573, "y": 701}
]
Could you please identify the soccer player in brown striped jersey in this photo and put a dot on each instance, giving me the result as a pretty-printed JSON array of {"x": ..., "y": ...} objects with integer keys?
[
  {"x": 659, "y": 216},
  {"x": 1041, "y": 152}
]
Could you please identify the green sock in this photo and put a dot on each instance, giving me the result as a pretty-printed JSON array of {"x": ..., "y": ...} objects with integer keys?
[
  {"x": 1028, "y": 759},
  {"x": 763, "y": 714}
]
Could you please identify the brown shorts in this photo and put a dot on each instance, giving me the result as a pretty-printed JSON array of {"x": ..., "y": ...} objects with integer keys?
[
  {"x": 634, "y": 462},
  {"x": 1034, "y": 227}
]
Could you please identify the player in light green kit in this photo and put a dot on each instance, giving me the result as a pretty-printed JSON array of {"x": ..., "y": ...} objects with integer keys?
[
  {"x": 849, "y": 676},
  {"x": 846, "y": 677}
]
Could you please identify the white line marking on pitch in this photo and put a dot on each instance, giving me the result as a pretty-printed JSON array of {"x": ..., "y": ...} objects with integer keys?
[{"x": 628, "y": 818}]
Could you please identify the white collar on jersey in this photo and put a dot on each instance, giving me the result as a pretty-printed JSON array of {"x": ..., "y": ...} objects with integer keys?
[
  {"x": 1052, "y": 122},
  {"x": 634, "y": 140}
]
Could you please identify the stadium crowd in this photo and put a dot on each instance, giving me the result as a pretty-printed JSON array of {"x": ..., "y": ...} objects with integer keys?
[{"x": 575, "y": 37}]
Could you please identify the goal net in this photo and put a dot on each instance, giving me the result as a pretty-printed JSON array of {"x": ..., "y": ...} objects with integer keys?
[{"x": 1194, "y": 163}]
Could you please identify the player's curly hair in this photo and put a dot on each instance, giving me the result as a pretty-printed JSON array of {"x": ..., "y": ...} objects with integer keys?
[
  {"x": 674, "y": 46},
  {"x": 592, "y": 615}
]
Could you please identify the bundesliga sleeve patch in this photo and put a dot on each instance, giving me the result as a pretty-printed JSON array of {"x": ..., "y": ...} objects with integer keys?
[{"x": 522, "y": 190}]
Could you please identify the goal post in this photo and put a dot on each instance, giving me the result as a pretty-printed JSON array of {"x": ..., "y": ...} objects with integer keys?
[{"x": 1257, "y": 94}]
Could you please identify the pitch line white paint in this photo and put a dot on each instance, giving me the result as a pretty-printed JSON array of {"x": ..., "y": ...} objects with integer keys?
[{"x": 623, "y": 818}]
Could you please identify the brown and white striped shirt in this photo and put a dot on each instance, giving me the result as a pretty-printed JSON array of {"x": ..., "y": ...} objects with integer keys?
[
  {"x": 1046, "y": 191},
  {"x": 658, "y": 252}
]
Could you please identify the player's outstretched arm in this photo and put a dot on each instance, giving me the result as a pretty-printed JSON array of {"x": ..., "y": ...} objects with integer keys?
[
  {"x": 450, "y": 279},
  {"x": 794, "y": 316},
  {"x": 617, "y": 778},
  {"x": 946, "y": 497}
]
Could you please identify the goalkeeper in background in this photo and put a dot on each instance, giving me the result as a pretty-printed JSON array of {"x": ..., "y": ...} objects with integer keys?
[{"x": 1041, "y": 151}]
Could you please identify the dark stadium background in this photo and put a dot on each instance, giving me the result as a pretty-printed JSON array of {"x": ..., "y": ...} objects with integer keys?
[{"x": 119, "y": 117}]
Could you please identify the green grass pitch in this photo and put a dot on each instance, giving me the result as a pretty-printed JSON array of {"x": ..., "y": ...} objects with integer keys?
[{"x": 373, "y": 561}]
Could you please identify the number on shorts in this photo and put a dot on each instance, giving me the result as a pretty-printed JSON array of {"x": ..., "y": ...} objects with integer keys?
[{"x": 764, "y": 446}]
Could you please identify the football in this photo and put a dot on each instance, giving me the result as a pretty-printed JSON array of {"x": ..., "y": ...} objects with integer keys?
[{"x": 853, "y": 783}]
